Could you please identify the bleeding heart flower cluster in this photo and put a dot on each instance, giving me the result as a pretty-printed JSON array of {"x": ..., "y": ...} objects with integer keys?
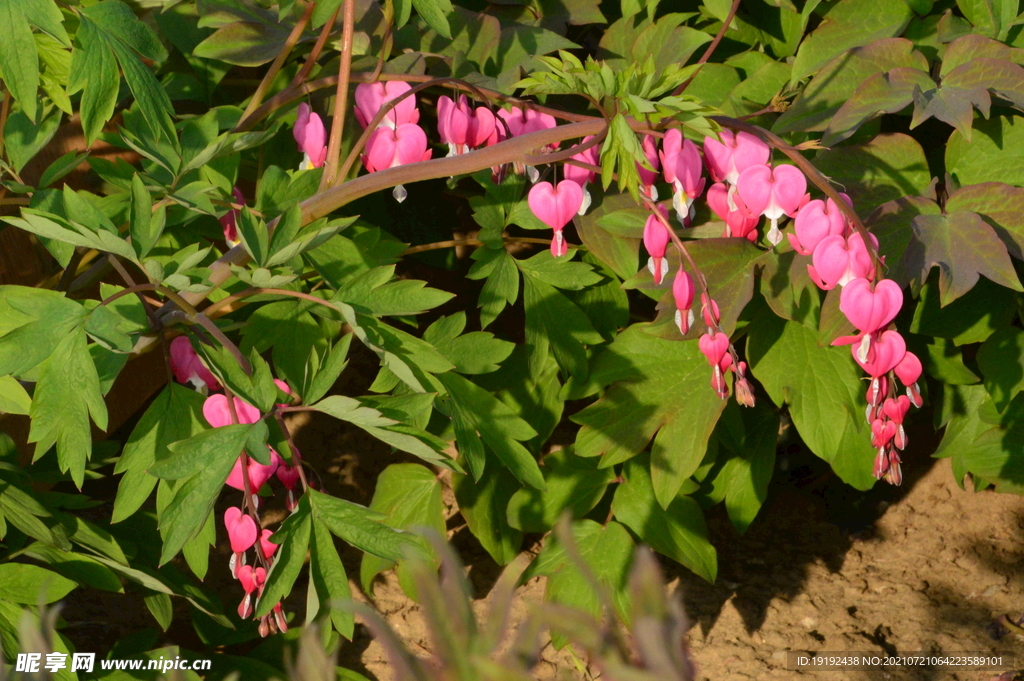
[
  {"x": 242, "y": 528},
  {"x": 840, "y": 257}
]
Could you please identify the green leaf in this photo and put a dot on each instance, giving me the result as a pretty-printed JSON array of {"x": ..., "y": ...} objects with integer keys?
[
  {"x": 749, "y": 472},
  {"x": 329, "y": 581},
  {"x": 293, "y": 537},
  {"x": 887, "y": 168},
  {"x": 144, "y": 229},
  {"x": 334, "y": 363},
  {"x": 374, "y": 423},
  {"x": 361, "y": 527},
  {"x": 192, "y": 456},
  {"x": 963, "y": 247},
  {"x": 13, "y": 397},
  {"x": 477, "y": 352},
  {"x": 435, "y": 13},
  {"x": 655, "y": 388},
  {"x": 94, "y": 72},
  {"x": 31, "y": 585},
  {"x": 67, "y": 394},
  {"x": 944, "y": 361},
  {"x": 483, "y": 504},
  {"x": 45, "y": 226},
  {"x": 850, "y": 23},
  {"x": 160, "y": 606},
  {"x": 729, "y": 267},
  {"x": 1002, "y": 207},
  {"x": 174, "y": 416},
  {"x": 409, "y": 496},
  {"x": 19, "y": 59},
  {"x": 994, "y": 152},
  {"x": 882, "y": 93},
  {"x": 611, "y": 230},
  {"x": 495, "y": 424},
  {"x": 23, "y": 139},
  {"x": 1001, "y": 360},
  {"x": 573, "y": 483},
  {"x": 502, "y": 285},
  {"x": 836, "y": 82},
  {"x": 61, "y": 167},
  {"x": 244, "y": 43},
  {"x": 969, "y": 319},
  {"x": 33, "y": 322},
  {"x": 678, "y": 531},
  {"x": 606, "y": 551},
  {"x": 194, "y": 497},
  {"x": 823, "y": 389},
  {"x": 788, "y": 289},
  {"x": 555, "y": 324},
  {"x": 197, "y": 549}
]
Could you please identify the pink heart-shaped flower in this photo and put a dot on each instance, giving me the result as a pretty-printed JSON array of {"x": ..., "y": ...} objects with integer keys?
[
  {"x": 241, "y": 529},
  {"x": 715, "y": 347},
  {"x": 909, "y": 369},
  {"x": 740, "y": 222},
  {"x": 268, "y": 547},
  {"x": 389, "y": 148},
  {"x": 896, "y": 408},
  {"x": 884, "y": 353},
  {"x": 591, "y": 156},
  {"x": 732, "y": 155},
  {"x": 882, "y": 432},
  {"x": 772, "y": 192},
  {"x": 870, "y": 309},
  {"x": 288, "y": 475},
  {"x": 370, "y": 97},
  {"x": 815, "y": 221},
  {"x": 258, "y": 473},
  {"x": 555, "y": 206},
  {"x": 217, "y": 413}
]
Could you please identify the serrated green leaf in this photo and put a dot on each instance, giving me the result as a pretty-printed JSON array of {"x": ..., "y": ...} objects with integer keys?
[
  {"x": 67, "y": 394},
  {"x": 484, "y": 503},
  {"x": 963, "y": 247},
  {"x": 678, "y": 531},
  {"x": 409, "y": 496},
  {"x": 361, "y": 527},
  {"x": 328, "y": 578},
  {"x": 823, "y": 389},
  {"x": 655, "y": 388},
  {"x": 1001, "y": 360},
  {"x": 573, "y": 483},
  {"x": 193, "y": 499},
  {"x": 288, "y": 559}
]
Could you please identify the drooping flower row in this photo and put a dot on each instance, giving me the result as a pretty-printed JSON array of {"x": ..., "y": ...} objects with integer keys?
[{"x": 242, "y": 528}]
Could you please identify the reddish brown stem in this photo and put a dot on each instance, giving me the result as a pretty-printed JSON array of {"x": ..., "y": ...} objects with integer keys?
[
  {"x": 341, "y": 97},
  {"x": 714, "y": 44},
  {"x": 275, "y": 68},
  {"x": 314, "y": 54}
]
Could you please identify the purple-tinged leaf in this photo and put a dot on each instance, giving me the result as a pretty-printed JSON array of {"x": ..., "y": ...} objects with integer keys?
[
  {"x": 963, "y": 247},
  {"x": 1001, "y": 205},
  {"x": 881, "y": 93}
]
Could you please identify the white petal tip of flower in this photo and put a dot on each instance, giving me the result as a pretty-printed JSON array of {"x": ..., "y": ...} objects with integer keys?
[
  {"x": 400, "y": 193},
  {"x": 774, "y": 235},
  {"x": 864, "y": 348},
  {"x": 585, "y": 206},
  {"x": 532, "y": 173}
]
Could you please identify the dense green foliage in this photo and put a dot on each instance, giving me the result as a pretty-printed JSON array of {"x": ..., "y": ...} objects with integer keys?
[{"x": 540, "y": 386}]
